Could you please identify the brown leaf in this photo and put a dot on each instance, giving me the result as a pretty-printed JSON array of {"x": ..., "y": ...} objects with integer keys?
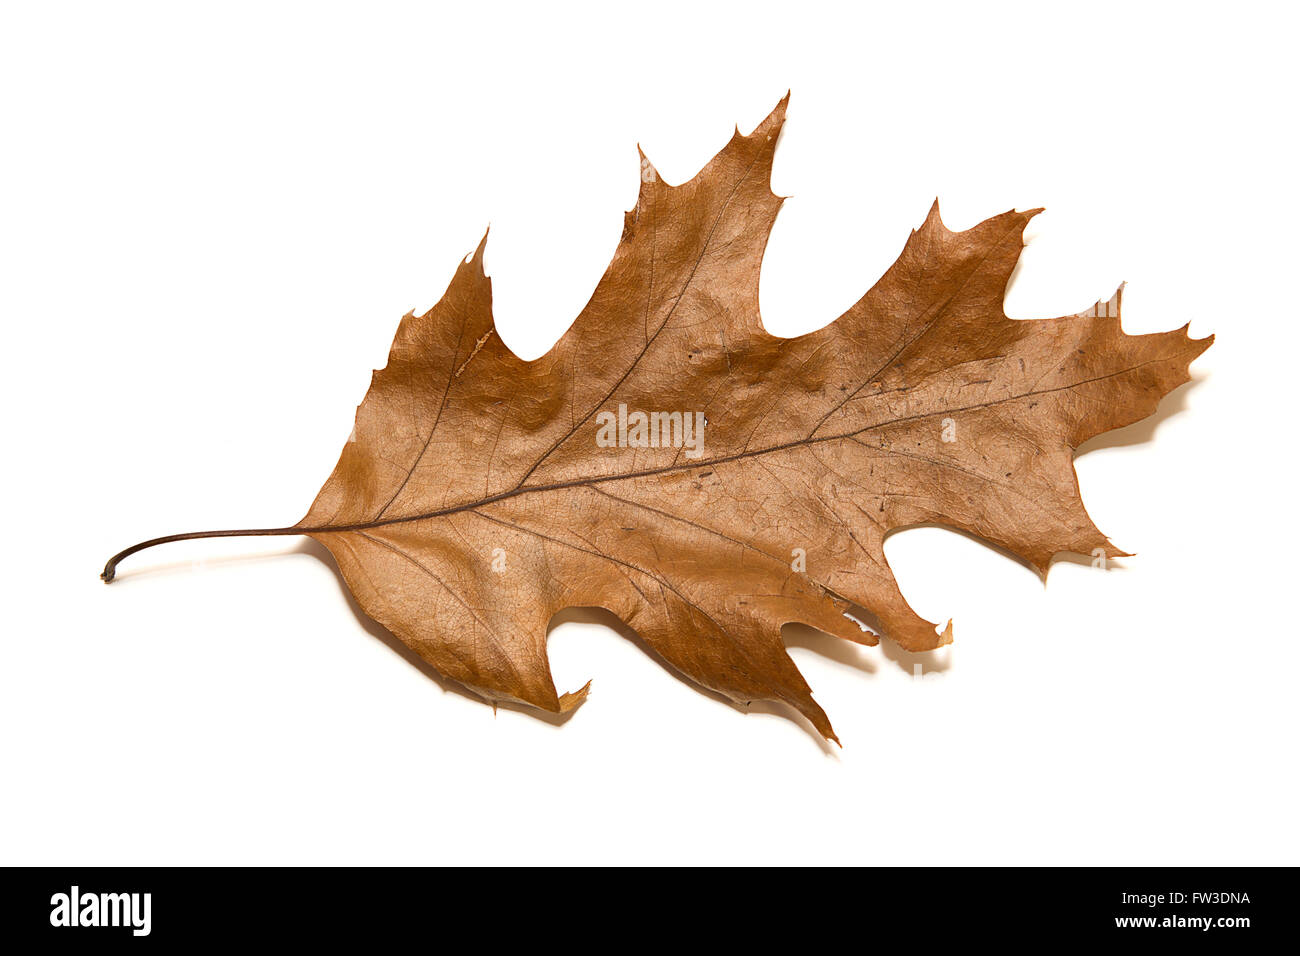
[{"x": 476, "y": 497}]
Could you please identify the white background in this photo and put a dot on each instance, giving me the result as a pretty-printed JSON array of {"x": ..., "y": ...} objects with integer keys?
[{"x": 212, "y": 222}]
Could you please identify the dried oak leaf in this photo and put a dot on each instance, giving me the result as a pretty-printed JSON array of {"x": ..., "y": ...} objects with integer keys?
[{"x": 473, "y": 500}]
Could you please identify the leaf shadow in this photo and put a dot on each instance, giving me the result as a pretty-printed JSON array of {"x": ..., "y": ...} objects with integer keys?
[
  {"x": 794, "y": 635},
  {"x": 164, "y": 569},
  {"x": 1143, "y": 431},
  {"x": 1139, "y": 433},
  {"x": 931, "y": 662},
  {"x": 837, "y": 649}
]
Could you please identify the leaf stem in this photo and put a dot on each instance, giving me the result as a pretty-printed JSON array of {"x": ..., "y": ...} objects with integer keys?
[{"x": 110, "y": 569}]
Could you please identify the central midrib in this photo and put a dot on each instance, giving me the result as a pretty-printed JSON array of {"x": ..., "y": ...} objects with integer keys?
[{"x": 722, "y": 460}]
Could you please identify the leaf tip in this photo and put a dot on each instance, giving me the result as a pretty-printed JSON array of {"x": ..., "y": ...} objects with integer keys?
[
  {"x": 649, "y": 175},
  {"x": 772, "y": 124},
  {"x": 933, "y": 219},
  {"x": 820, "y": 721},
  {"x": 571, "y": 700},
  {"x": 946, "y": 636},
  {"x": 1029, "y": 214},
  {"x": 476, "y": 257}
]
